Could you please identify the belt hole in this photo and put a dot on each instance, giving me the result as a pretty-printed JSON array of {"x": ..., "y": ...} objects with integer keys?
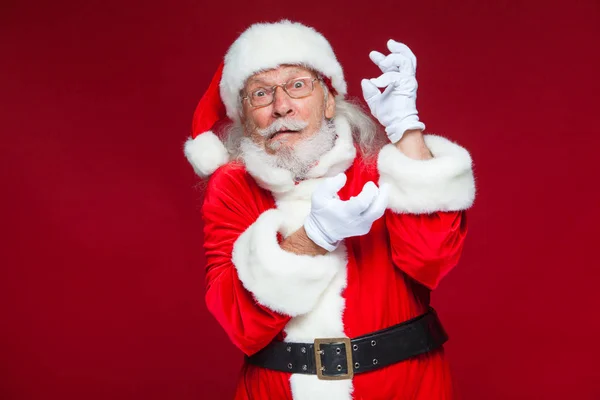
[
  {"x": 338, "y": 350},
  {"x": 373, "y": 343},
  {"x": 303, "y": 349},
  {"x": 290, "y": 365},
  {"x": 356, "y": 365},
  {"x": 355, "y": 347},
  {"x": 375, "y": 361},
  {"x": 339, "y": 367}
]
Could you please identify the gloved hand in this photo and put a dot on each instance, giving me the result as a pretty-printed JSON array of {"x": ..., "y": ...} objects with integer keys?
[
  {"x": 331, "y": 220},
  {"x": 395, "y": 108}
]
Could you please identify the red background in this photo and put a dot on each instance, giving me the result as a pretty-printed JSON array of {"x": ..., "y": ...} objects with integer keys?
[{"x": 101, "y": 283}]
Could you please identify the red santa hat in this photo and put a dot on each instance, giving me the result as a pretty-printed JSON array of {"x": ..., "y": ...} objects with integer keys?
[{"x": 261, "y": 47}]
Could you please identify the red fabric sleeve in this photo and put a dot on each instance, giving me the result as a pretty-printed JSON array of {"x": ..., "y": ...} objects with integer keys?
[
  {"x": 426, "y": 246},
  {"x": 232, "y": 203}
]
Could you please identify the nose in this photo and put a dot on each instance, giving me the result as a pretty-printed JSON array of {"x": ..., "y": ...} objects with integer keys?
[{"x": 282, "y": 104}]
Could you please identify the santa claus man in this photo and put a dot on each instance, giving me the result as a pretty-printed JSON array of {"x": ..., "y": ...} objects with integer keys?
[{"x": 323, "y": 242}]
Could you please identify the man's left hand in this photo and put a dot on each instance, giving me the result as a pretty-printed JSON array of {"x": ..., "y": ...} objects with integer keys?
[{"x": 395, "y": 108}]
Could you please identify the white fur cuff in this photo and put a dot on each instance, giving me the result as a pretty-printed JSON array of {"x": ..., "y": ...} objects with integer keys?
[
  {"x": 280, "y": 280},
  {"x": 444, "y": 183}
]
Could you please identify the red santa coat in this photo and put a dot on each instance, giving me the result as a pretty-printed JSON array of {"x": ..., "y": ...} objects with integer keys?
[{"x": 259, "y": 292}]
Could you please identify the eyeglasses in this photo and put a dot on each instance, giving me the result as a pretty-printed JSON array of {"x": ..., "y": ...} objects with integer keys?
[{"x": 296, "y": 88}]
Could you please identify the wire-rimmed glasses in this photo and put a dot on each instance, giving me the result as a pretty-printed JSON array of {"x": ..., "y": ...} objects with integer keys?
[{"x": 296, "y": 88}]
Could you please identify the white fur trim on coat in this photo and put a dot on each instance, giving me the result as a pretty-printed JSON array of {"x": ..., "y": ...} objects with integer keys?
[
  {"x": 206, "y": 153},
  {"x": 265, "y": 46},
  {"x": 325, "y": 317},
  {"x": 325, "y": 320},
  {"x": 309, "y": 387},
  {"x": 443, "y": 183},
  {"x": 282, "y": 281}
]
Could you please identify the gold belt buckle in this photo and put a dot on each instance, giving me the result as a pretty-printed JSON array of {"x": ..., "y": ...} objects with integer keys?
[{"x": 319, "y": 361}]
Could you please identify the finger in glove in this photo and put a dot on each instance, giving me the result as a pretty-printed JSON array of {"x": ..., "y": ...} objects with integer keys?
[
  {"x": 370, "y": 91},
  {"x": 397, "y": 47},
  {"x": 376, "y": 57},
  {"x": 361, "y": 202},
  {"x": 379, "y": 205},
  {"x": 328, "y": 190},
  {"x": 387, "y": 78},
  {"x": 397, "y": 62}
]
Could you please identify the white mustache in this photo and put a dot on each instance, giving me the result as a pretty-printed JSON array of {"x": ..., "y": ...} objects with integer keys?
[{"x": 281, "y": 125}]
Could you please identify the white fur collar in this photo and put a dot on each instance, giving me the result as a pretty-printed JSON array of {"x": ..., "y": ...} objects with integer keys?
[{"x": 336, "y": 160}]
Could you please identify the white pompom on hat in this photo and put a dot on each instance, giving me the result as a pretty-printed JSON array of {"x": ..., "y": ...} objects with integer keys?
[{"x": 261, "y": 47}]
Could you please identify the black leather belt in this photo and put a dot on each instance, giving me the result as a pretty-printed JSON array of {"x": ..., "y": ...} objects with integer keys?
[{"x": 341, "y": 358}]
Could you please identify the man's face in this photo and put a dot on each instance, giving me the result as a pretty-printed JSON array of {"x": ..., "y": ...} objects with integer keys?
[{"x": 308, "y": 112}]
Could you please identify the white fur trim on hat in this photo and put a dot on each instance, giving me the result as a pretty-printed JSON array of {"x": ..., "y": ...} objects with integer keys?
[
  {"x": 265, "y": 46},
  {"x": 206, "y": 153},
  {"x": 443, "y": 183}
]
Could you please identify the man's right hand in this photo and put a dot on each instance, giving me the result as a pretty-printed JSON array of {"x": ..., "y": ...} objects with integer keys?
[{"x": 331, "y": 220}]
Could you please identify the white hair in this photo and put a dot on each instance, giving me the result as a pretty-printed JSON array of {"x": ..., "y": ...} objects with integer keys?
[{"x": 367, "y": 134}]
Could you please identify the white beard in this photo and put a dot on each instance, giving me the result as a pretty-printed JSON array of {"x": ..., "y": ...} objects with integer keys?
[{"x": 298, "y": 159}]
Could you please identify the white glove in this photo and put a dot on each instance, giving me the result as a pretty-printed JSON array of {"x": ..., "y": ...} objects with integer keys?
[
  {"x": 396, "y": 107},
  {"x": 331, "y": 220}
]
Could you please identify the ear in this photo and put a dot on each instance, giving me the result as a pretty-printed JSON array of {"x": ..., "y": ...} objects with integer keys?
[{"x": 330, "y": 106}]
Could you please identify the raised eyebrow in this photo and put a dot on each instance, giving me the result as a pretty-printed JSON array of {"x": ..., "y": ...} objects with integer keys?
[
  {"x": 258, "y": 87},
  {"x": 262, "y": 83},
  {"x": 257, "y": 84},
  {"x": 298, "y": 70}
]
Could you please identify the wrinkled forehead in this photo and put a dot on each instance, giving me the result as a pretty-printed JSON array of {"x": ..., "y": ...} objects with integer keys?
[{"x": 278, "y": 75}]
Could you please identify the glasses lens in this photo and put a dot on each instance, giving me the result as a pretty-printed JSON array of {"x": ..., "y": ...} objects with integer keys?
[
  {"x": 299, "y": 87},
  {"x": 261, "y": 97}
]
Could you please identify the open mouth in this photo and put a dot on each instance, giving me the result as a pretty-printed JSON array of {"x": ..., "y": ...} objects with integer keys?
[{"x": 281, "y": 132}]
